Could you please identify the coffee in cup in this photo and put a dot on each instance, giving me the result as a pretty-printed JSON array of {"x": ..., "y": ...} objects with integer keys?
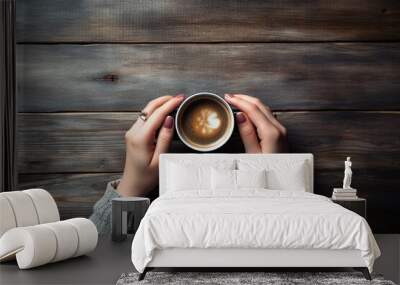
[{"x": 204, "y": 121}]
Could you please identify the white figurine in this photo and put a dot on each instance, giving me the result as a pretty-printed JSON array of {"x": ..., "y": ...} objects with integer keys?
[{"x": 347, "y": 174}]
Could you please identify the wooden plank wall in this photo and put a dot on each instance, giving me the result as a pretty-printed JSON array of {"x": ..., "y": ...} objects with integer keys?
[{"x": 329, "y": 69}]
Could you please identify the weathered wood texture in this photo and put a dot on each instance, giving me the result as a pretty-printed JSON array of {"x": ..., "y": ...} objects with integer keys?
[
  {"x": 70, "y": 143},
  {"x": 207, "y": 21},
  {"x": 286, "y": 76},
  {"x": 94, "y": 56},
  {"x": 80, "y": 142},
  {"x": 94, "y": 142},
  {"x": 75, "y": 194}
]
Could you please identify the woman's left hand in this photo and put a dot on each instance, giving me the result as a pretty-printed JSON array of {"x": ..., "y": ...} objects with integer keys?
[{"x": 260, "y": 131}]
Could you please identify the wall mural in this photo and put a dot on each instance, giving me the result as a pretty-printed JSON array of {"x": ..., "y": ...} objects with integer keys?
[{"x": 330, "y": 73}]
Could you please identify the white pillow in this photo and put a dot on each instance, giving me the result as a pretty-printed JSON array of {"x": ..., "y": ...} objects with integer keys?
[
  {"x": 281, "y": 174},
  {"x": 291, "y": 179},
  {"x": 186, "y": 175},
  {"x": 223, "y": 179},
  {"x": 181, "y": 178},
  {"x": 251, "y": 178},
  {"x": 236, "y": 179}
]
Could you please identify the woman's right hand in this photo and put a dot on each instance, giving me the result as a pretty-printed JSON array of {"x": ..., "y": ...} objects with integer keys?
[
  {"x": 144, "y": 146},
  {"x": 259, "y": 129}
]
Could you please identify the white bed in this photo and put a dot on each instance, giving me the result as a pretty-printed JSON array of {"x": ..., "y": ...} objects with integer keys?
[{"x": 198, "y": 223}]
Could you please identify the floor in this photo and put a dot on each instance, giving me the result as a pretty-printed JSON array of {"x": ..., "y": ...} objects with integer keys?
[
  {"x": 389, "y": 262},
  {"x": 110, "y": 260},
  {"x": 103, "y": 266}
]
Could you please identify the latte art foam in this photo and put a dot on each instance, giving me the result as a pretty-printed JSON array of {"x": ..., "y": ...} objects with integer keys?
[{"x": 204, "y": 122}]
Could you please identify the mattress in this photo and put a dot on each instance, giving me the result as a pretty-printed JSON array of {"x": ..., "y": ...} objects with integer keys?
[{"x": 251, "y": 219}]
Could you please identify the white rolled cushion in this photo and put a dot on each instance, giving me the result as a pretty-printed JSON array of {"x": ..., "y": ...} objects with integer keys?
[
  {"x": 45, "y": 205},
  {"x": 7, "y": 218},
  {"x": 87, "y": 235},
  {"x": 40, "y": 244},
  {"x": 33, "y": 246},
  {"x": 23, "y": 208},
  {"x": 223, "y": 179},
  {"x": 251, "y": 178},
  {"x": 67, "y": 240}
]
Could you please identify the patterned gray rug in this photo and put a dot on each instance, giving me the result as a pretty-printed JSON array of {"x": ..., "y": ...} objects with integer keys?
[{"x": 269, "y": 278}]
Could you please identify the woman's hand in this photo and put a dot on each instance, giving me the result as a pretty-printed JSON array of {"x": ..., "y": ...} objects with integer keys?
[
  {"x": 258, "y": 128},
  {"x": 143, "y": 146}
]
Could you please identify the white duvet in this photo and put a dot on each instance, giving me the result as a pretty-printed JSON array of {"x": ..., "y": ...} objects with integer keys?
[{"x": 250, "y": 219}]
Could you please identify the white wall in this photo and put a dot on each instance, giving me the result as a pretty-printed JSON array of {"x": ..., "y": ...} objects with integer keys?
[{"x": 389, "y": 262}]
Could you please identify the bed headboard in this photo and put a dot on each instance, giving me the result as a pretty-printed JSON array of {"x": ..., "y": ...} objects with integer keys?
[{"x": 307, "y": 158}]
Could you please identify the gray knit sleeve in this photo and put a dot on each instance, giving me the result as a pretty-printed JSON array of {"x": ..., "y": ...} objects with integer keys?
[{"x": 101, "y": 216}]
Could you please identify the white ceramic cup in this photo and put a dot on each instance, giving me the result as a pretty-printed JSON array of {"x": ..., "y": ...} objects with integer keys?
[{"x": 210, "y": 122}]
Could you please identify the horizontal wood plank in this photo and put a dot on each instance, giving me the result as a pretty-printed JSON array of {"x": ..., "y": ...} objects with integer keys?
[
  {"x": 94, "y": 142},
  {"x": 370, "y": 138},
  {"x": 205, "y": 21},
  {"x": 56, "y": 78},
  {"x": 75, "y": 194},
  {"x": 71, "y": 143},
  {"x": 80, "y": 142}
]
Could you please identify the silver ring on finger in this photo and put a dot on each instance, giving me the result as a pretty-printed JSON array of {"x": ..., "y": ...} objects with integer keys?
[{"x": 143, "y": 116}]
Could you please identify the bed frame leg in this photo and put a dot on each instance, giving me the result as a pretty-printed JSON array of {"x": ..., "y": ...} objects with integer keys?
[
  {"x": 143, "y": 274},
  {"x": 364, "y": 271}
]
